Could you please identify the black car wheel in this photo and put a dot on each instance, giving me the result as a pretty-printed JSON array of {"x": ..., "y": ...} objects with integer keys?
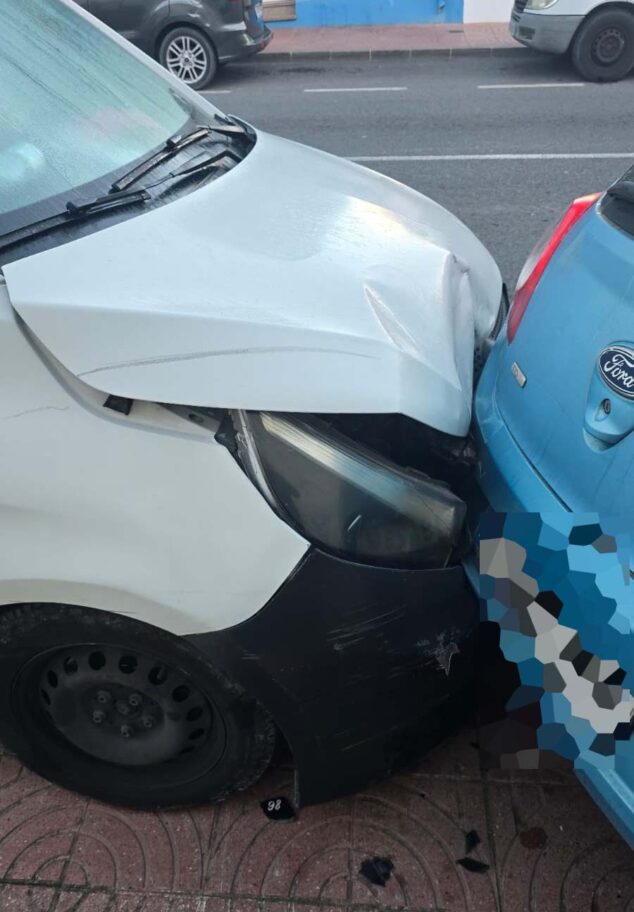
[
  {"x": 189, "y": 54},
  {"x": 124, "y": 712},
  {"x": 603, "y": 49}
]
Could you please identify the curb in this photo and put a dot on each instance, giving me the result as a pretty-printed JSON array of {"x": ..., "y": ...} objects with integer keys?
[{"x": 403, "y": 54}]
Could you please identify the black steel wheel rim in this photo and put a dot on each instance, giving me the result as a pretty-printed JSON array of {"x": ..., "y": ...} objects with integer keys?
[
  {"x": 122, "y": 706},
  {"x": 608, "y": 46}
]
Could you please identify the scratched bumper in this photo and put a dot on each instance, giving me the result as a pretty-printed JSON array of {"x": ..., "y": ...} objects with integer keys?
[{"x": 362, "y": 668}]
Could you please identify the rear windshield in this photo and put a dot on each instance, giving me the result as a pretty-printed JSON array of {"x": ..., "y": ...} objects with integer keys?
[
  {"x": 75, "y": 106},
  {"x": 618, "y": 203}
]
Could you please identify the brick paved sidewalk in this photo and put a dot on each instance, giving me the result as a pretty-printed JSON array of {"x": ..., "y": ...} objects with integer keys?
[
  {"x": 544, "y": 847},
  {"x": 401, "y": 40}
]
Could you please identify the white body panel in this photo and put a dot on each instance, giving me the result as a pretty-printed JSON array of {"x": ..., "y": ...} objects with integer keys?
[
  {"x": 574, "y": 7},
  {"x": 296, "y": 282},
  {"x": 500, "y": 10},
  {"x": 143, "y": 515}
]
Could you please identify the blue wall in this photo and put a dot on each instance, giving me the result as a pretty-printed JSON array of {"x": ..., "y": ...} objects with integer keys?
[{"x": 314, "y": 13}]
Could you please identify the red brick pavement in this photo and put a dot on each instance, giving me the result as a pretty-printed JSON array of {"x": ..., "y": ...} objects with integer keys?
[
  {"x": 547, "y": 846},
  {"x": 488, "y": 37}
]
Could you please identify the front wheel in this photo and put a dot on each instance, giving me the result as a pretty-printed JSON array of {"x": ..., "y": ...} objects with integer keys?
[
  {"x": 603, "y": 49},
  {"x": 189, "y": 54},
  {"x": 122, "y": 711}
]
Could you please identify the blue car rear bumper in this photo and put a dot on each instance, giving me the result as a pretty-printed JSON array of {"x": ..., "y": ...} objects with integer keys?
[
  {"x": 507, "y": 479},
  {"x": 615, "y": 798},
  {"x": 511, "y": 484}
]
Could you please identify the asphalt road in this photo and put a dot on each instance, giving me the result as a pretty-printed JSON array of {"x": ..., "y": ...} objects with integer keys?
[{"x": 432, "y": 106}]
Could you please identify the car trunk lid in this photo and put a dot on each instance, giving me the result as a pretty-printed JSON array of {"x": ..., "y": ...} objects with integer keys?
[{"x": 553, "y": 389}]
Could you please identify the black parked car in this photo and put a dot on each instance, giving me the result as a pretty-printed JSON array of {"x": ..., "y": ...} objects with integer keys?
[{"x": 189, "y": 37}]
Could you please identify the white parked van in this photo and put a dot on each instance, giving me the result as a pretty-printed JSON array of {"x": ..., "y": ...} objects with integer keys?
[
  {"x": 598, "y": 35},
  {"x": 235, "y": 401}
]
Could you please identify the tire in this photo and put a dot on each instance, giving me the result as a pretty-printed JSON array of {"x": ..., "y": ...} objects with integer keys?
[
  {"x": 188, "y": 44},
  {"x": 124, "y": 712},
  {"x": 603, "y": 48}
]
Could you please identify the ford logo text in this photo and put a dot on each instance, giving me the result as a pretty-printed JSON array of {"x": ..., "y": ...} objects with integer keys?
[{"x": 616, "y": 366}]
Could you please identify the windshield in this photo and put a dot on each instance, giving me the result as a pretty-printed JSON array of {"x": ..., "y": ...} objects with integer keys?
[{"x": 75, "y": 107}]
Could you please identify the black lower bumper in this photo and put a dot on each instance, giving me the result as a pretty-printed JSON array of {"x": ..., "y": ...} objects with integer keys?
[{"x": 362, "y": 668}]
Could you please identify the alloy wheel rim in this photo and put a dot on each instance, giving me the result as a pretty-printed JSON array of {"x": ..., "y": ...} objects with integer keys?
[
  {"x": 186, "y": 58},
  {"x": 608, "y": 46},
  {"x": 123, "y": 707}
]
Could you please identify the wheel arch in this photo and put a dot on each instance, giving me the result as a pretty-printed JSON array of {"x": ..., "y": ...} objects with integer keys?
[
  {"x": 603, "y": 7},
  {"x": 115, "y": 604},
  {"x": 181, "y": 23},
  {"x": 65, "y": 593},
  {"x": 38, "y": 632},
  {"x": 79, "y": 600}
]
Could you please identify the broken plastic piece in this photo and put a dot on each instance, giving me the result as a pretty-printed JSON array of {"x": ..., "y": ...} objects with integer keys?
[
  {"x": 471, "y": 841},
  {"x": 376, "y": 871},
  {"x": 279, "y": 809},
  {"x": 472, "y": 864}
]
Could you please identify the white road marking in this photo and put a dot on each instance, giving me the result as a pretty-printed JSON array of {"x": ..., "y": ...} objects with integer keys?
[
  {"x": 511, "y": 156},
  {"x": 534, "y": 85},
  {"x": 216, "y": 92},
  {"x": 358, "y": 89}
]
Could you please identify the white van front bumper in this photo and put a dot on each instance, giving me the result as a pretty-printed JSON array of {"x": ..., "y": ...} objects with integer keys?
[{"x": 544, "y": 32}]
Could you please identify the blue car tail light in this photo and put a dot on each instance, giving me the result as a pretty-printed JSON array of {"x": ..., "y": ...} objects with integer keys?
[{"x": 540, "y": 257}]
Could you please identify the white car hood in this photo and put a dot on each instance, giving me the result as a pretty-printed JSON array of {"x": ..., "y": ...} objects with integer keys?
[{"x": 296, "y": 282}]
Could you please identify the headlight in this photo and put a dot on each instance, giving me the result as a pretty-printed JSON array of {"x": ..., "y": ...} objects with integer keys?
[
  {"x": 539, "y": 4},
  {"x": 345, "y": 498}
]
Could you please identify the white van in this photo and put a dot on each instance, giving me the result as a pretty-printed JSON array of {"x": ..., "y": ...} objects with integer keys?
[
  {"x": 235, "y": 400},
  {"x": 598, "y": 35}
]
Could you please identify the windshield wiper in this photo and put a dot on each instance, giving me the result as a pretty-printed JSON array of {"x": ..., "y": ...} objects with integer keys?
[
  {"x": 199, "y": 165},
  {"x": 172, "y": 147},
  {"x": 73, "y": 213},
  {"x": 111, "y": 201}
]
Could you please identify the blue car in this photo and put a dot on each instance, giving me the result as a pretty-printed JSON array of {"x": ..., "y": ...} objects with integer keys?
[{"x": 555, "y": 421}]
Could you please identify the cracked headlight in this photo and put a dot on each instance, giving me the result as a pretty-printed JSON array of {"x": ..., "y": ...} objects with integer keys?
[{"x": 345, "y": 498}]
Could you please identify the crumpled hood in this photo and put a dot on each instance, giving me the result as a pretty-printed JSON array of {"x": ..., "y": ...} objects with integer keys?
[{"x": 296, "y": 282}]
